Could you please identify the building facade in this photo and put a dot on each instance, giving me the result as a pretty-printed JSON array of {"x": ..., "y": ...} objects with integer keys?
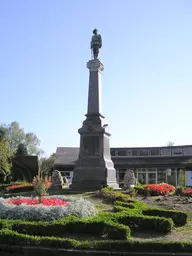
[{"x": 150, "y": 164}]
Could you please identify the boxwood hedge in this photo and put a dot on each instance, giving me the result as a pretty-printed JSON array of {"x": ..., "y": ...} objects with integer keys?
[
  {"x": 9, "y": 237},
  {"x": 92, "y": 226},
  {"x": 179, "y": 218},
  {"x": 140, "y": 222}
]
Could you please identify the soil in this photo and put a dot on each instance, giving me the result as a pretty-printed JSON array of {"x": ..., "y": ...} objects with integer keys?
[{"x": 170, "y": 202}]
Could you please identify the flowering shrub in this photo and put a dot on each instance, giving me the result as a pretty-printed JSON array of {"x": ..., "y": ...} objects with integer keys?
[
  {"x": 160, "y": 189},
  {"x": 78, "y": 207},
  {"x": 40, "y": 186},
  {"x": 33, "y": 201},
  {"x": 188, "y": 192}
]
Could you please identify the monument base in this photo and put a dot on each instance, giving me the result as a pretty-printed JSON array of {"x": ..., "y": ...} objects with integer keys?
[{"x": 93, "y": 178}]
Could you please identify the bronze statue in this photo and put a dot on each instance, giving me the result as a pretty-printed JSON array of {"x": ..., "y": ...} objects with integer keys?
[{"x": 96, "y": 43}]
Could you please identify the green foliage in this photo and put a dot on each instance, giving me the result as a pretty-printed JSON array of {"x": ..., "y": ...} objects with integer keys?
[
  {"x": 179, "y": 191},
  {"x": 21, "y": 150},
  {"x": 5, "y": 164},
  {"x": 10, "y": 237},
  {"x": 16, "y": 135},
  {"x": 135, "y": 220},
  {"x": 132, "y": 204},
  {"x": 179, "y": 218},
  {"x": 94, "y": 226},
  {"x": 46, "y": 165},
  {"x": 111, "y": 195}
]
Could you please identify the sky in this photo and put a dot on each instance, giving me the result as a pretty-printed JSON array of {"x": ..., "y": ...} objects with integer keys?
[{"x": 146, "y": 82}]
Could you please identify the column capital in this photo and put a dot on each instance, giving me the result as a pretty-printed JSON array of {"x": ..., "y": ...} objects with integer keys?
[{"x": 95, "y": 65}]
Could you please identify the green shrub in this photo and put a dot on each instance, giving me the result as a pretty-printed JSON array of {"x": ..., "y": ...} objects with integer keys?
[
  {"x": 93, "y": 226},
  {"x": 179, "y": 191},
  {"x": 132, "y": 204},
  {"x": 141, "y": 222},
  {"x": 111, "y": 195},
  {"x": 179, "y": 218}
]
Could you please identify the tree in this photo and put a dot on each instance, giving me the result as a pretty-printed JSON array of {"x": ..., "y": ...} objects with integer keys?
[
  {"x": 16, "y": 135},
  {"x": 21, "y": 150},
  {"x": 46, "y": 164},
  {"x": 5, "y": 164},
  {"x": 170, "y": 143}
]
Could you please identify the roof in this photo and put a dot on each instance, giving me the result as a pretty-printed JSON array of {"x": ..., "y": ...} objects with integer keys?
[{"x": 66, "y": 155}]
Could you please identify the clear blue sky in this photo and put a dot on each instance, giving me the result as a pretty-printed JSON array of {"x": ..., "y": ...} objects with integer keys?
[{"x": 147, "y": 81}]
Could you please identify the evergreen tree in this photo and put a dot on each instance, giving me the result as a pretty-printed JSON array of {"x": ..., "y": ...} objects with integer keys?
[{"x": 21, "y": 150}]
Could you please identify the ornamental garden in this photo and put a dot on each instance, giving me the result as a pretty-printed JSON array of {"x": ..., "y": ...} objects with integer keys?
[{"x": 149, "y": 218}]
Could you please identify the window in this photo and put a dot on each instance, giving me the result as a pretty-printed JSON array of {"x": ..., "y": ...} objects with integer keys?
[
  {"x": 161, "y": 176},
  {"x": 134, "y": 152},
  {"x": 121, "y": 152},
  {"x": 166, "y": 151},
  {"x": 155, "y": 152},
  {"x": 112, "y": 152},
  {"x": 187, "y": 151},
  {"x": 144, "y": 152},
  {"x": 176, "y": 151}
]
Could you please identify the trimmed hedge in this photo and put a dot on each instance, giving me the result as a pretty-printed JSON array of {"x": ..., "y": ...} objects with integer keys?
[
  {"x": 132, "y": 204},
  {"x": 93, "y": 226},
  {"x": 179, "y": 218},
  {"x": 10, "y": 237},
  {"x": 140, "y": 222}
]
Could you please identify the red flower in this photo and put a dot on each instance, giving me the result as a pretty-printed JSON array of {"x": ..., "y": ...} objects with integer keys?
[
  {"x": 33, "y": 201},
  {"x": 160, "y": 189},
  {"x": 188, "y": 191}
]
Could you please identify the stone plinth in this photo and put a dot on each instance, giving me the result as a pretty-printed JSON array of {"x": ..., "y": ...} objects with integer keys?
[{"x": 94, "y": 167}]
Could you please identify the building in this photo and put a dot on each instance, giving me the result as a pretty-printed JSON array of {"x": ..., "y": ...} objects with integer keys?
[{"x": 172, "y": 164}]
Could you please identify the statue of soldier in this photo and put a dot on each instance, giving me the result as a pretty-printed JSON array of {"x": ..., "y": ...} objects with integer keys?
[{"x": 96, "y": 43}]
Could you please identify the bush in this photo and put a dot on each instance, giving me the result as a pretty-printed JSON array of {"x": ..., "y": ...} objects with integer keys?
[
  {"x": 111, "y": 195},
  {"x": 179, "y": 218},
  {"x": 93, "y": 226},
  {"x": 140, "y": 222},
  {"x": 179, "y": 191},
  {"x": 188, "y": 192}
]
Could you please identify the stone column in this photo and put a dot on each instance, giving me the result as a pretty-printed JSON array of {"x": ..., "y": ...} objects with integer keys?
[
  {"x": 94, "y": 167},
  {"x": 94, "y": 98}
]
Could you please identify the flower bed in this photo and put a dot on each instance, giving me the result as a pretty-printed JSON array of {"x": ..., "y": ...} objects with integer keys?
[
  {"x": 187, "y": 192},
  {"x": 33, "y": 201},
  {"x": 39, "y": 212},
  {"x": 159, "y": 189},
  {"x": 17, "y": 188}
]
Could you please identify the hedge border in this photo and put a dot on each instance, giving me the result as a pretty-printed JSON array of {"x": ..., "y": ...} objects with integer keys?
[
  {"x": 10, "y": 237},
  {"x": 92, "y": 225},
  {"x": 180, "y": 218}
]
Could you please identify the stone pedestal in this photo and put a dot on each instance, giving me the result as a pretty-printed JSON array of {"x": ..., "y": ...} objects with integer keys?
[{"x": 94, "y": 167}]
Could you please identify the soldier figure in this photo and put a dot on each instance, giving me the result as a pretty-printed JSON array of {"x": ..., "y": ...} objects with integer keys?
[{"x": 96, "y": 43}]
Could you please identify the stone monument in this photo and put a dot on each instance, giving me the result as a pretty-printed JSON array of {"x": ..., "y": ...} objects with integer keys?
[
  {"x": 129, "y": 179},
  {"x": 57, "y": 181},
  {"x": 94, "y": 167}
]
